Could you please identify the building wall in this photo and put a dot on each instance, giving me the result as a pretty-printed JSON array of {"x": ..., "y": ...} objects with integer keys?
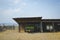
[
  {"x": 57, "y": 26},
  {"x": 51, "y": 26},
  {"x": 36, "y": 25},
  {"x": 46, "y": 26}
]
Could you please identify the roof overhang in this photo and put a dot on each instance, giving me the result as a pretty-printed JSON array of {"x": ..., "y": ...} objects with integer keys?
[
  {"x": 50, "y": 20},
  {"x": 27, "y": 19}
]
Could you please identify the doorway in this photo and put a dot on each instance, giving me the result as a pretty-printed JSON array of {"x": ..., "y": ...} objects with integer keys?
[{"x": 32, "y": 27}]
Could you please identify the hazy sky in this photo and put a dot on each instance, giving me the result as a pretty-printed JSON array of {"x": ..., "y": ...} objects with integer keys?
[{"x": 23, "y": 8}]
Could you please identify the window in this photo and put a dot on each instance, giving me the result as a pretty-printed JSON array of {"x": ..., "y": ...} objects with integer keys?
[{"x": 49, "y": 27}]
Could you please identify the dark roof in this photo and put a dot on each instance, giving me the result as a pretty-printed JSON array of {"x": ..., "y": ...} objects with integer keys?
[
  {"x": 28, "y": 19},
  {"x": 51, "y": 20},
  {"x": 34, "y": 19}
]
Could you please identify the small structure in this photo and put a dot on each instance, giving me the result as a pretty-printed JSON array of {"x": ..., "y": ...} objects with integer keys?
[{"x": 37, "y": 24}]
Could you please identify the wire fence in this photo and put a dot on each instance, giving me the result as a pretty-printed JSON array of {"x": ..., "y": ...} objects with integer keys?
[{"x": 7, "y": 27}]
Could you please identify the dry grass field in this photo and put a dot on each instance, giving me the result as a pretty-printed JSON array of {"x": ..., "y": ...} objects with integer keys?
[{"x": 15, "y": 35}]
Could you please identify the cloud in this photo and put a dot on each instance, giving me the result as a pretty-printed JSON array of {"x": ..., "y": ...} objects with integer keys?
[
  {"x": 23, "y": 5},
  {"x": 10, "y": 11},
  {"x": 16, "y": 1},
  {"x": 13, "y": 9}
]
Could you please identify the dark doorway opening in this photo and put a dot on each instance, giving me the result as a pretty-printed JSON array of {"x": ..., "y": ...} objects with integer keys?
[{"x": 32, "y": 27}]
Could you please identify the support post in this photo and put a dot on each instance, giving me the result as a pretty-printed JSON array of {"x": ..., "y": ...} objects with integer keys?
[
  {"x": 21, "y": 28},
  {"x": 53, "y": 27},
  {"x": 41, "y": 28}
]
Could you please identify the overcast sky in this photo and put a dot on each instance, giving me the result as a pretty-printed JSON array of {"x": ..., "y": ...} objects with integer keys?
[{"x": 23, "y": 8}]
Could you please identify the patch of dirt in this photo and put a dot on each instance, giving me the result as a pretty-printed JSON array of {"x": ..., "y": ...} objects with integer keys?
[{"x": 15, "y": 35}]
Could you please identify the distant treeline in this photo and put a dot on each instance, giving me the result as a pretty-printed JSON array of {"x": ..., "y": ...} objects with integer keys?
[{"x": 6, "y": 27}]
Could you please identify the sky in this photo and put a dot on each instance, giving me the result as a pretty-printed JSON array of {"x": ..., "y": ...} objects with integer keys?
[{"x": 47, "y": 9}]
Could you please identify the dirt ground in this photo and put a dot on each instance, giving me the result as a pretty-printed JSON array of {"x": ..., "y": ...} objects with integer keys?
[{"x": 15, "y": 35}]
